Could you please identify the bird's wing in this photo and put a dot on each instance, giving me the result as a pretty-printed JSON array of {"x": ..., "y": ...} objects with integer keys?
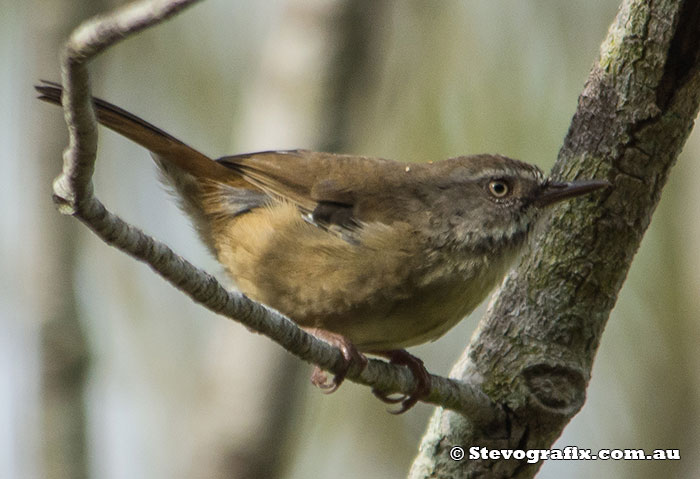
[{"x": 331, "y": 189}]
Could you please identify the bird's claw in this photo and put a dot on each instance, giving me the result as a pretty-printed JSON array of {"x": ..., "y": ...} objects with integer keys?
[
  {"x": 403, "y": 358},
  {"x": 350, "y": 354}
]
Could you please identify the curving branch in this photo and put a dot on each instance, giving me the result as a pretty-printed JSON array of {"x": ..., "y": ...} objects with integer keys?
[
  {"x": 534, "y": 350},
  {"x": 73, "y": 193},
  {"x": 525, "y": 373}
]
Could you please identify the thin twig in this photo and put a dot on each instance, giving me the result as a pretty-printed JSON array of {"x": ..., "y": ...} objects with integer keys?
[{"x": 73, "y": 193}]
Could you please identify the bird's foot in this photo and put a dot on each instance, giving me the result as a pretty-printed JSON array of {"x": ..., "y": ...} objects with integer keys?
[
  {"x": 404, "y": 358},
  {"x": 350, "y": 354}
]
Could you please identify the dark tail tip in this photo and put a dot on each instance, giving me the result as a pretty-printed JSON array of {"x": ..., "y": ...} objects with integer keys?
[{"x": 49, "y": 91}]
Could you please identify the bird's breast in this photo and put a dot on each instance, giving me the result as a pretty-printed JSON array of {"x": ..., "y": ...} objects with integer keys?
[
  {"x": 384, "y": 290},
  {"x": 432, "y": 309}
]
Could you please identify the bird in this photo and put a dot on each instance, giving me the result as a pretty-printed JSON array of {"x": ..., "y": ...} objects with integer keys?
[{"x": 368, "y": 254}]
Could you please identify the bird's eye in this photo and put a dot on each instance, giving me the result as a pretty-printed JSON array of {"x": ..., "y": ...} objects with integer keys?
[{"x": 498, "y": 188}]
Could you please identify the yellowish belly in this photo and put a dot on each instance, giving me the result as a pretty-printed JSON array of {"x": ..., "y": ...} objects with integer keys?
[{"x": 377, "y": 295}]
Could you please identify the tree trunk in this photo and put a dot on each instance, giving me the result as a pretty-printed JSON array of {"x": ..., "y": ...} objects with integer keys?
[{"x": 534, "y": 350}]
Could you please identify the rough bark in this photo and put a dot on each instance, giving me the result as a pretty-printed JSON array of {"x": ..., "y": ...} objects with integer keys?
[
  {"x": 534, "y": 350},
  {"x": 525, "y": 373}
]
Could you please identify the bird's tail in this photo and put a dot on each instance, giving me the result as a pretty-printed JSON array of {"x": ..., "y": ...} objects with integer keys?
[
  {"x": 164, "y": 147},
  {"x": 208, "y": 191}
]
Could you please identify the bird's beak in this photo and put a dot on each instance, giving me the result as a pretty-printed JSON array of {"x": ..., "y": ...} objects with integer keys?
[{"x": 554, "y": 192}]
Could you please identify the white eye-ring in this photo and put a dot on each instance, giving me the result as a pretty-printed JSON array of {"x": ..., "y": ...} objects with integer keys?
[{"x": 499, "y": 188}]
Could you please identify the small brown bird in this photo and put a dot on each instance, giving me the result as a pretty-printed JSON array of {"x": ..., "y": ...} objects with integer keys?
[{"x": 370, "y": 255}]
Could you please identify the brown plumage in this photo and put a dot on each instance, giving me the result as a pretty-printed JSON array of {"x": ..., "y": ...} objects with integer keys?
[{"x": 369, "y": 254}]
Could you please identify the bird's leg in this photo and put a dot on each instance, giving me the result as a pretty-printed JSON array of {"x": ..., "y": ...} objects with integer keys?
[
  {"x": 404, "y": 358},
  {"x": 349, "y": 352}
]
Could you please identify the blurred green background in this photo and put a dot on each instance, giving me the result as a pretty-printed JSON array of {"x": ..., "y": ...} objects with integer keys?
[{"x": 107, "y": 371}]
